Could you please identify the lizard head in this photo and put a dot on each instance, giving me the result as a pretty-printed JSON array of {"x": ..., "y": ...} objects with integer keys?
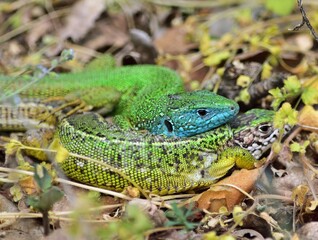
[
  {"x": 255, "y": 131},
  {"x": 190, "y": 113}
]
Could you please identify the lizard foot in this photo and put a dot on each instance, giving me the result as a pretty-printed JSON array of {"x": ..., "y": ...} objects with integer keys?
[{"x": 76, "y": 106}]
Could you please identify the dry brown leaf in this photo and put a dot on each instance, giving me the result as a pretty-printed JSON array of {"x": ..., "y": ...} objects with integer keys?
[
  {"x": 81, "y": 19},
  {"x": 285, "y": 154},
  {"x": 212, "y": 200},
  {"x": 299, "y": 194},
  {"x": 308, "y": 116},
  {"x": 174, "y": 41},
  {"x": 111, "y": 31},
  {"x": 28, "y": 185},
  {"x": 283, "y": 185},
  {"x": 218, "y": 196},
  {"x": 132, "y": 192},
  {"x": 294, "y": 184}
]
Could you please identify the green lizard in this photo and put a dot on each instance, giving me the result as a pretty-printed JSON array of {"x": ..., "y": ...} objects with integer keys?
[
  {"x": 156, "y": 163},
  {"x": 148, "y": 97}
]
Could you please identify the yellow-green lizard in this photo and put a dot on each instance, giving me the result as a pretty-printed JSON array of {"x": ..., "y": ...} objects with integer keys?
[
  {"x": 148, "y": 97},
  {"x": 156, "y": 163}
]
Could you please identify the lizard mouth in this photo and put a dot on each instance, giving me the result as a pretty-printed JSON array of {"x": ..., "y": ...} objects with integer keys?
[
  {"x": 256, "y": 142},
  {"x": 261, "y": 145}
]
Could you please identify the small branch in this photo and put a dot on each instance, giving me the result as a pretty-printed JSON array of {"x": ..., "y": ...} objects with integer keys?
[
  {"x": 46, "y": 222},
  {"x": 304, "y": 21}
]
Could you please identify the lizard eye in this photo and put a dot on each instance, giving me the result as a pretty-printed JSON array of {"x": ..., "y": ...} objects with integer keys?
[
  {"x": 202, "y": 112},
  {"x": 264, "y": 128},
  {"x": 168, "y": 125}
]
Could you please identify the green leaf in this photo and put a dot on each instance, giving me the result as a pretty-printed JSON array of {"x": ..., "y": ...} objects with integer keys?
[
  {"x": 296, "y": 147},
  {"x": 244, "y": 96},
  {"x": 16, "y": 192},
  {"x": 45, "y": 200},
  {"x": 281, "y": 7},
  {"x": 180, "y": 215},
  {"x": 278, "y": 97},
  {"x": 33, "y": 201},
  {"x": 216, "y": 58},
  {"x": 42, "y": 178},
  {"x": 243, "y": 81},
  {"x": 292, "y": 85},
  {"x": 50, "y": 197},
  {"x": 285, "y": 115},
  {"x": 310, "y": 96},
  {"x": 267, "y": 70},
  {"x": 274, "y": 50},
  {"x": 205, "y": 43},
  {"x": 276, "y": 93},
  {"x": 238, "y": 215}
]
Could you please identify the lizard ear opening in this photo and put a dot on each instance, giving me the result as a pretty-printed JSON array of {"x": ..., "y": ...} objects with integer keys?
[{"x": 169, "y": 126}]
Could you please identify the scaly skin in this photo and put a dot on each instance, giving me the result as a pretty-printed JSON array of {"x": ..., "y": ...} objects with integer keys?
[
  {"x": 158, "y": 164},
  {"x": 152, "y": 98}
]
